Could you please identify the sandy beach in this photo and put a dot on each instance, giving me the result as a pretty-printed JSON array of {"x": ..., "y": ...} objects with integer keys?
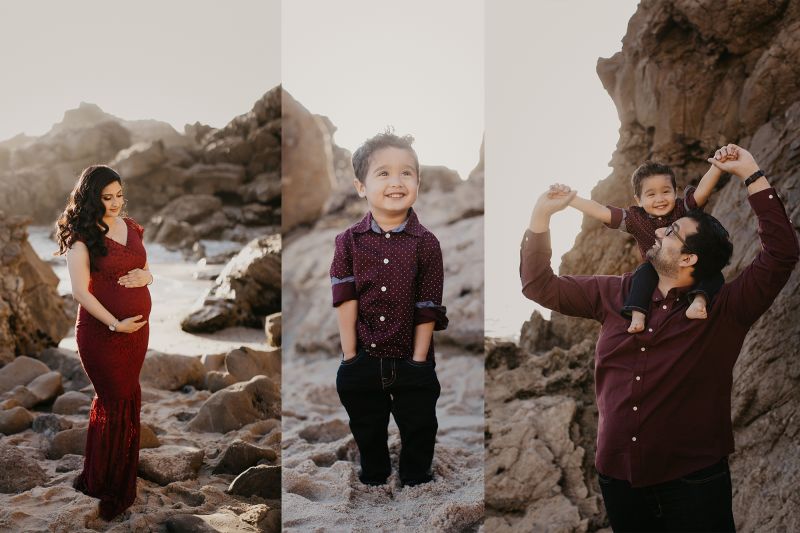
[{"x": 320, "y": 470}]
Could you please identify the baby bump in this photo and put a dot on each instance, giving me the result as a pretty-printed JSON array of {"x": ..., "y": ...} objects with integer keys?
[{"x": 123, "y": 302}]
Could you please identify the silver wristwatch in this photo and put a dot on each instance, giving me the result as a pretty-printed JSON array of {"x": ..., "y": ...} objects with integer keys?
[{"x": 113, "y": 327}]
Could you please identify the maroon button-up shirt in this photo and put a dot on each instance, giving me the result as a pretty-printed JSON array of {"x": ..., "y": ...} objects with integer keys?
[
  {"x": 664, "y": 395},
  {"x": 642, "y": 225},
  {"x": 397, "y": 277}
]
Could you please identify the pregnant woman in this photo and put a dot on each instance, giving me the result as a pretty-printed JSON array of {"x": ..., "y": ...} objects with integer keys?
[{"x": 109, "y": 274}]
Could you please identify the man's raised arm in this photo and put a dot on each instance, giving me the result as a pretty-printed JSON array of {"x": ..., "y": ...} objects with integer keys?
[
  {"x": 569, "y": 295},
  {"x": 754, "y": 290}
]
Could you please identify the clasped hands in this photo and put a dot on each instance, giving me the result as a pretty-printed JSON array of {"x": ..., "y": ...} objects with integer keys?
[
  {"x": 730, "y": 158},
  {"x": 137, "y": 277}
]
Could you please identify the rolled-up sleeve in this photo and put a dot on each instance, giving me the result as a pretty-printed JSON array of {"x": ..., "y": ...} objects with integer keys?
[
  {"x": 343, "y": 282},
  {"x": 430, "y": 284},
  {"x": 617, "y": 217},
  {"x": 688, "y": 199}
]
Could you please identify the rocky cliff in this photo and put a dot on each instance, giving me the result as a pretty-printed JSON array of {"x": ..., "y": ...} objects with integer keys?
[
  {"x": 32, "y": 314},
  {"x": 692, "y": 75},
  {"x": 203, "y": 183}
]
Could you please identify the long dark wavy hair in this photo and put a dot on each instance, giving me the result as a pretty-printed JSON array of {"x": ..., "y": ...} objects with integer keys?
[{"x": 83, "y": 216}]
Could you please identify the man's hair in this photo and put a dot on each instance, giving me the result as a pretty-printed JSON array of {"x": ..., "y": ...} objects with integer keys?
[
  {"x": 386, "y": 139},
  {"x": 647, "y": 169},
  {"x": 711, "y": 244}
]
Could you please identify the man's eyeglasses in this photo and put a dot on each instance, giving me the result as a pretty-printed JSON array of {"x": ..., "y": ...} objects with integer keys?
[{"x": 673, "y": 230}]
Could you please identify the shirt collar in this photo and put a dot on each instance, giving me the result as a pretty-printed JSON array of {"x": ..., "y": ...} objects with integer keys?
[{"x": 410, "y": 225}]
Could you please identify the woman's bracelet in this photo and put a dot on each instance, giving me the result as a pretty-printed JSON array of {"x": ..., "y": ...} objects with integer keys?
[{"x": 152, "y": 278}]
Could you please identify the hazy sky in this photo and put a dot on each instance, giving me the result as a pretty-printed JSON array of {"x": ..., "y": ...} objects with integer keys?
[
  {"x": 417, "y": 65},
  {"x": 548, "y": 120},
  {"x": 179, "y": 61}
]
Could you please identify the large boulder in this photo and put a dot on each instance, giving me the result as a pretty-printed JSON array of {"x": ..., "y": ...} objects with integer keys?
[
  {"x": 272, "y": 328},
  {"x": 15, "y": 420},
  {"x": 20, "y": 371},
  {"x": 171, "y": 371},
  {"x": 214, "y": 179},
  {"x": 50, "y": 424},
  {"x": 262, "y": 480},
  {"x": 71, "y": 441},
  {"x": 170, "y": 463},
  {"x": 19, "y": 471},
  {"x": 245, "y": 363},
  {"x": 216, "y": 380},
  {"x": 68, "y": 364},
  {"x": 72, "y": 403},
  {"x": 238, "y": 405},
  {"x": 46, "y": 387},
  {"x": 247, "y": 289},
  {"x": 32, "y": 314},
  {"x": 240, "y": 456},
  {"x": 307, "y": 172},
  {"x": 140, "y": 159}
]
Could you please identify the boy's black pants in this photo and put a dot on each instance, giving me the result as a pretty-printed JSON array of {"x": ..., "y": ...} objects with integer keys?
[
  {"x": 645, "y": 281},
  {"x": 370, "y": 388}
]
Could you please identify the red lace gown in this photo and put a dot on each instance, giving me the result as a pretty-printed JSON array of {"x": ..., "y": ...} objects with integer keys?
[{"x": 113, "y": 361}]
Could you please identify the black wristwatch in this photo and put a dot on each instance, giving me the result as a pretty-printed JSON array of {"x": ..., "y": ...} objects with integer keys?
[{"x": 753, "y": 177}]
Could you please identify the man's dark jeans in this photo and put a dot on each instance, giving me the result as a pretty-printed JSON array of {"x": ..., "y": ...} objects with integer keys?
[
  {"x": 700, "y": 501},
  {"x": 370, "y": 388}
]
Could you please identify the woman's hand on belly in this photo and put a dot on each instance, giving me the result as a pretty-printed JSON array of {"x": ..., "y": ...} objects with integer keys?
[
  {"x": 135, "y": 278},
  {"x": 131, "y": 324}
]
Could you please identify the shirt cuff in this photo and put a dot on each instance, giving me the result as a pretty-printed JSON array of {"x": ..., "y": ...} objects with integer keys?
[
  {"x": 344, "y": 291},
  {"x": 688, "y": 199},
  {"x": 617, "y": 215},
  {"x": 765, "y": 200},
  {"x": 430, "y": 312}
]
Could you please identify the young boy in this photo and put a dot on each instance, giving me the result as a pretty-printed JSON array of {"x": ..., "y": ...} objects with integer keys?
[
  {"x": 657, "y": 206},
  {"x": 387, "y": 280}
]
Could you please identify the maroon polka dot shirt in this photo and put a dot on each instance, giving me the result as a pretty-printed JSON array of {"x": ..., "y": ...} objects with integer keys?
[{"x": 397, "y": 277}]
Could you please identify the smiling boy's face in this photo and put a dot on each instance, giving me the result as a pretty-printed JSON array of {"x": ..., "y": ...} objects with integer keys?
[
  {"x": 658, "y": 195},
  {"x": 391, "y": 183}
]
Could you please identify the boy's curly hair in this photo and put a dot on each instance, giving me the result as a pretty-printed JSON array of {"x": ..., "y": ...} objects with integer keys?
[{"x": 386, "y": 139}]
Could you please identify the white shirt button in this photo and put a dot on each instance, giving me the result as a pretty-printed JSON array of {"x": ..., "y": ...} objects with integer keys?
[
  {"x": 770, "y": 197},
  {"x": 383, "y": 289},
  {"x": 642, "y": 348},
  {"x": 373, "y": 344},
  {"x": 650, "y": 330},
  {"x": 663, "y": 307},
  {"x": 385, "y": 261},
  {"x": 383, "y": 318},
  {"x": 638, "y": 378},
  {"x": 633, "y": 439},
  {"x": 635, "y": 408},
  {"x": 388, "y": 235}
]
